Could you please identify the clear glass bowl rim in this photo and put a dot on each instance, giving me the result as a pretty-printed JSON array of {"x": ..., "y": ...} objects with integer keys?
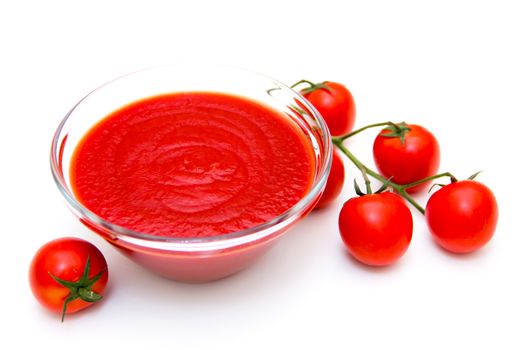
[{"x": 249, "y": 234}]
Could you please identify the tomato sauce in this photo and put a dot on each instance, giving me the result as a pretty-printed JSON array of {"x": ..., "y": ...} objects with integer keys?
[{"x": 193, "y": 164}]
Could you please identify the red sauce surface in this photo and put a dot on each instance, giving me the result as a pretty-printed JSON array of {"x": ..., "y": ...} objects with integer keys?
[{"x": 192, "y": 165}]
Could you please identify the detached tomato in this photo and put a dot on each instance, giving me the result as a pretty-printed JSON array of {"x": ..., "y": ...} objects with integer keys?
[
  {"x": 335, "y": 182},
  {"x": 376, "y": 228},
  {"x": 335, "y": 103},
  {"x": 462, "y": 216},
  {"x": 67, "y": 275},
  {"x": 408, "y": 154}
]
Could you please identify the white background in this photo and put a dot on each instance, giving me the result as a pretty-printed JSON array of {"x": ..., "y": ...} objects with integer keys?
[{"x": 456, "y": 67}]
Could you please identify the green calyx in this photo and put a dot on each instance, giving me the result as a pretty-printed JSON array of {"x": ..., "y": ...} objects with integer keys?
[
  {"x": 360, "y": 193},
  {"x": 473, "y": 176},
  {"x": 397, "y": 130},
  {"x": 312, "y": 86},
  {"x": 80, "y": 289}
]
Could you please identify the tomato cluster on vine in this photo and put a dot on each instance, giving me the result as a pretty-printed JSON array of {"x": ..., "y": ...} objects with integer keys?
[{"x": 376, "y": 227}]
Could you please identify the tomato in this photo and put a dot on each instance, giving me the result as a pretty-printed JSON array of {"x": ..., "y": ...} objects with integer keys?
[
  {"x": 336, "y": 105},
  {"x": 462, "y": 216},
  {"x": 334, "y": 184},
  {"x": 376, "y": 228},
  {"x": 407, "y": 155},
  {"x": 67, "y": 275}
]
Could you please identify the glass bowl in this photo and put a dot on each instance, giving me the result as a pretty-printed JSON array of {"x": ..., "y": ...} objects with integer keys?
[{"x": 192, "y": 259}]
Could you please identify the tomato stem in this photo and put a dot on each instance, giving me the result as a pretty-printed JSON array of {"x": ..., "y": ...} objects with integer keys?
[
  {"x": 403, "y": 193},
  {"x": 367, "y": 181},
  {"x": 303, "y": 81},
  {"x": 312, "y": 87},
  {"x": 355, "y": 132},
  {"x": 437, "y": 176},
  {"x": 338, "y": 141}
]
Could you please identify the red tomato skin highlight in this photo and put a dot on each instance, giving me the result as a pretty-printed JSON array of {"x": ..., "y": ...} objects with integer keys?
[
  {"x": 335, "y": 182},
  {"x": 418, "y": 157},
  {"x": 462, "y": 216},
  {"x": 376, "y": 228},
  {"x": 337, "y": 107},
  {"x": 65, "y": 258}
]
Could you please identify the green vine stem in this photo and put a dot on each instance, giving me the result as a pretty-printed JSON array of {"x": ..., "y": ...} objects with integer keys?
[
  {"x": 401, "y": 189},
  {"x": 430, "y": 178},
  {"x": 312, "y": 86},
  {"x": 368, "y": 184},
  {"x": 353, "y": 133}
]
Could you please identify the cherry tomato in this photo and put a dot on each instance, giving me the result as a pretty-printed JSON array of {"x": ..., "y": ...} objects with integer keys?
[
  {"x": 67, "y": 275},
  {"x": 334, "y": 184},
  {"x": 336, "y": 105},
  {"x": 407, "y": 155},
  {"x": 376, "y": 228},
  {"x": 462, "y": 216}
]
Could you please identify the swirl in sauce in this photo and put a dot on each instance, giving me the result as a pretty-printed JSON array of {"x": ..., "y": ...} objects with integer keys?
[{"x": 192, "y": 165}]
